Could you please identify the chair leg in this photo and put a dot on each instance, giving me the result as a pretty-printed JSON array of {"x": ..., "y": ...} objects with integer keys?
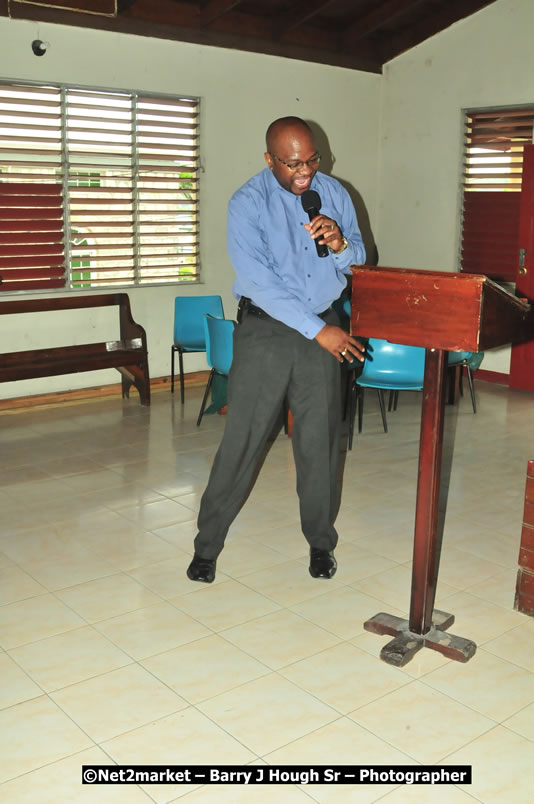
[
  {"x": 172, "y": 369},
  {"x": 206, "y": 392},
  {"x": 359, "y": 400},
  {"x": 285, "y": 414},
  {"x": 393, "y": 399},
  {"x": 353, "y": 403},
  {"x": 382, "y": 408},
  {"x": 181, "y": 361},
  {"x": 471, "y": 388}
]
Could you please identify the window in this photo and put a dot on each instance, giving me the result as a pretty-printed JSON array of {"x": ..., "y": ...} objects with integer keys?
[
  {"x": 493, "y": 161},
  {"x": 98, "y": 188}
]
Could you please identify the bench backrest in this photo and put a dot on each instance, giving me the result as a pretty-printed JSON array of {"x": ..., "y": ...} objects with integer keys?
[{"x": 72, "y": 302}]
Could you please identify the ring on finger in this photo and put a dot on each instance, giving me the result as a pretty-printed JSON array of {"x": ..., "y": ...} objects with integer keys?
[{"x": 344, "y": 352}]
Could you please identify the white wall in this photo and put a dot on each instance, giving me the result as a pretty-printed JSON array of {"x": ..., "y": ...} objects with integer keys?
[
  {"x": 485, "y": 60},
  {"x": 407, "y": 125},
  {"x": 241, "y": 94}
]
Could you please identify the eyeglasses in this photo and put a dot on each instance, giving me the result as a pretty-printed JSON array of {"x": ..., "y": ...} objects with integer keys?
[{"x": 311, "y": 163}]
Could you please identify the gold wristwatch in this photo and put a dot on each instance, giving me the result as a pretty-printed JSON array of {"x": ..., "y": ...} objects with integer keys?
[{"x": 343, "y": 247}]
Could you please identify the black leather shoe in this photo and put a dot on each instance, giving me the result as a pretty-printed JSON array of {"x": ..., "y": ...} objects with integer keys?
[
  {"x": 322, "y": 563},
  {"x": 202, "y": 569}
]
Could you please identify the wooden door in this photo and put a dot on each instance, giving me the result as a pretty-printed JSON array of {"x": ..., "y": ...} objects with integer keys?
[{"x": 522, "y": 360}]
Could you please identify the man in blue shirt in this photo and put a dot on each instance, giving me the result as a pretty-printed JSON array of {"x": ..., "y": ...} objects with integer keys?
[{"x": 288, "y": 344}]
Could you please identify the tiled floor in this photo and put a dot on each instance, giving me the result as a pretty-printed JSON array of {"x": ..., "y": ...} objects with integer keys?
[{"x": 109, "y": 654}]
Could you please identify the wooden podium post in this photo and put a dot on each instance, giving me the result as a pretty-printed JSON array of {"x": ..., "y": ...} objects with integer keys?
[
  {"x": 441, "y": 312},
  {"x": 524, "y": 591}
]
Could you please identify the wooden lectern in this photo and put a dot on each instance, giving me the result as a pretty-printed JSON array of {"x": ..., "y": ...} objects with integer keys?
[{"x": 442, "y": 312}]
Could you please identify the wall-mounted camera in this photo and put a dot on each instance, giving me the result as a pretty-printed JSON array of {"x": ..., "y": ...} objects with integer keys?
[{"x": 39, "y": 47}]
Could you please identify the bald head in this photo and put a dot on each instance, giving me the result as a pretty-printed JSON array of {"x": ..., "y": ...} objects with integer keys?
[
  {"x": 283, "y": 127},
  {"x": 291, "y": 154}
]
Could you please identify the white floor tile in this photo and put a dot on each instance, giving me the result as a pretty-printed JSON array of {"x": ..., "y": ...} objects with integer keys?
[
  {"x": 17, "y": 585},
  {"x": 151, "y": 630},
  {"x": 502, "y": 767},
  {"x": 289, "y": 583},
  {"x": 341, "y": 742},
  {"x": 507, "y": 688},
  {"x": 285, "y": 713},
  {"x": 117, "y": 702},
  {"x": 60, "y": 781},
  {"x": 189, "y": 669},
  {"x": 69, "y": 658},
  {"x": 225, "y": 605},
  {"x": 16, "y": 685},
  {"x": 35, "y": 733},
  {"x": 33, "y": 619},
  {"x": 342, "y": 612},
  {"x": 279, "y": 639},
  {"x": 344, "y": 677},
  {"x": 188, "y": 735},
  {"x": 103, "y": 637},
  {"x": 422, "y": 722},
  {"x": 107, "y": 597},
  {"x": 516, "y": 644}
]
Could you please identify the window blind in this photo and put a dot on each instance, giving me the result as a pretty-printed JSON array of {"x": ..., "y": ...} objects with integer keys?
[
  {"x": 493, "y": 161},
  {"x": 123, "y": 170}
]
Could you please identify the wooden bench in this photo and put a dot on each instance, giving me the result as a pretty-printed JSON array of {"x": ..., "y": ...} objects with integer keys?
[{"x": 129, "y": 354}]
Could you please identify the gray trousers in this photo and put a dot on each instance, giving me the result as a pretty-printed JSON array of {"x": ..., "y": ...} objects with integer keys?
[{"x": 271, "y": 362}]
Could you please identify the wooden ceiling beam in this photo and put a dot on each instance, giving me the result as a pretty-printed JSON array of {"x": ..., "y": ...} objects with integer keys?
[
  {"x": 215, "y": 9},
  {"x": 297, "y": 15},
  {"x": 165, "y": 12},
  {"x": 176, "y": 21},
  {"x": 437, "y": 21},
  {"x": 386, "y": 13},
  {"x": 124, "y": 5},
  {"x": 106, "y": 7},
  {"x": 366, "y": 44}
]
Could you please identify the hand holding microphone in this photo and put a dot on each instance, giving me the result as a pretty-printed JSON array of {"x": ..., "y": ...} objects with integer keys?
[{"x": 320, "y": 227}]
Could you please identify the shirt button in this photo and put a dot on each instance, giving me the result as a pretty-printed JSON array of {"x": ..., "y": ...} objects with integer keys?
[
  {"x": 308, "y": 275},
  {"x": 305, "y": 248}
]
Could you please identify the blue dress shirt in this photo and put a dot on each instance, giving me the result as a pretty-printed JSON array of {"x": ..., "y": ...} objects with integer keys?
[{"x": 274, "y": 257}]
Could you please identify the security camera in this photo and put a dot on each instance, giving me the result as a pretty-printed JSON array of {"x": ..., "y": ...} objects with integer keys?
[{"x": 39, "y": 47}]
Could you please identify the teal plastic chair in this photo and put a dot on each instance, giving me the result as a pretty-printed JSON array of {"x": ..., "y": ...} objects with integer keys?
[
  {"x": 219, "y": 336},
  {"x": 189, "y": 334},
  {"x": 387, "y": 367},
  {"x": 471, "y": 362}
]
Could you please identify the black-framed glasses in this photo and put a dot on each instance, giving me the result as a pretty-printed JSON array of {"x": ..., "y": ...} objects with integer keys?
[{"x": 311, "y": 163}]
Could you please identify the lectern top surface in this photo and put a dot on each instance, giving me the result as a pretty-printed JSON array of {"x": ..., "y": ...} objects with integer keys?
[{"x": 437, "y": 309}]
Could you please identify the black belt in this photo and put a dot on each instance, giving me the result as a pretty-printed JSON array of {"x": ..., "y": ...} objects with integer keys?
[{"x": 246, "y": 306}]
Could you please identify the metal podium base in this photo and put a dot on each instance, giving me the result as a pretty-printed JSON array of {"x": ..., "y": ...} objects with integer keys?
[{"x": 407, "y": 643}]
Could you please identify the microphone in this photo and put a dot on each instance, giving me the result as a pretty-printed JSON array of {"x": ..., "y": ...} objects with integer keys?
[{"x": 311, "y": 203}]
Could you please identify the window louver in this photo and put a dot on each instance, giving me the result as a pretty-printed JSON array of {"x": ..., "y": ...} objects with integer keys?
[
  {"x": 123, "y": 170},
  {"x": 493, "y": 162}
]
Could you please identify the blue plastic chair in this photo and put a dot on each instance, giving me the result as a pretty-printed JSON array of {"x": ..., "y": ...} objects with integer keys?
[
  {"x": 189, "y": 312},
  {"x": 387, "y": 366},
  {"x": 219, "y": 335},
  {"x": 471, "y": 362}
]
